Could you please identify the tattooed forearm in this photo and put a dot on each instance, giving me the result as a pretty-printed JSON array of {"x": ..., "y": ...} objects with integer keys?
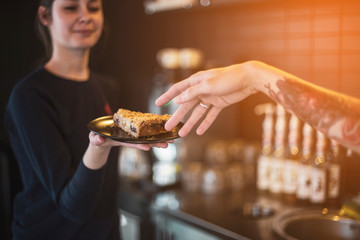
[
  {"x": 319, "y": 108},
  {"x": 351, "y": 130}
]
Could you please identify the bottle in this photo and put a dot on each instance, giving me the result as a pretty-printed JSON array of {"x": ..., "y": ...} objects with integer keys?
[
  {"x": 165, "y": 164},
  {"x": 215, "y": 178},
  {"x": 304, "y": 168},
  {"x": 335, "y": 176},
  {"x": 190, "y": 61},
  {"x": 351, "y": 208},
  {"x": 235, "y": 170},
  {"x": 266, "y": 151},
  {"x": 277, "y": 160},
  {"x": 318, "y": 187},
  {"x": 292, "y": 159}
]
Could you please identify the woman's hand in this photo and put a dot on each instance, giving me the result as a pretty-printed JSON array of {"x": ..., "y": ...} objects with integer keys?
[
  {"x": 210, "y": 92},
  {"x": 105, "y": 142},
  {"x": 99, "y": 147}
]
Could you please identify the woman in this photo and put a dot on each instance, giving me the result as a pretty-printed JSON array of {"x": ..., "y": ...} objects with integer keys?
[
  {"x": 69, "y": 183},
  {"x": 335, "y": 114}
]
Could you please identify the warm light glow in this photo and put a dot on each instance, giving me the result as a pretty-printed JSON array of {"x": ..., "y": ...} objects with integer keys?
[
  {"x": 325, "y": 211},
  {"x": 166, "y": 5},
  {"x": 168, "y": 154},
  {"x": 205, "y": 3},
  {"x": 319, "y": 160},
  {"x": 106, "y": 123}
]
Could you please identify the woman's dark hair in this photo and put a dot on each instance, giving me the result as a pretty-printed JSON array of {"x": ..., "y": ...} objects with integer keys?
[{"x": 42, "y": 31}]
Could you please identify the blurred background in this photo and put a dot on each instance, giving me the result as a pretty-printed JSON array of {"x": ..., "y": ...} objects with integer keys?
[{"x": 317, "y": 40}]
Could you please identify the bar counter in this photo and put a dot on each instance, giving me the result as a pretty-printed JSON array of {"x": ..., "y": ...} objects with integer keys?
[{"x": 177, "y": 214}]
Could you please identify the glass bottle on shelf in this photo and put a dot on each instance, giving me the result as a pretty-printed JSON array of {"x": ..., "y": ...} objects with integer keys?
[
  {"x": 304, "y": 168},
  {"x": 335, "y": 173},
  {"x": 165, "y": 169},
  {"x": 134, "y": 165},
  {"x": 168, "y": 60},
  {"x": 264, "y": 160},
  {"x": 176, "y": 64},
  {"x": 318, "y": 187},
  {"x": 277, "y": 160},
  {"x": 292, "y": 159},
  {"x": 190, "y": 61},
  {"x": 236, "y": 167},
  {"x": 215, "y": 180}
]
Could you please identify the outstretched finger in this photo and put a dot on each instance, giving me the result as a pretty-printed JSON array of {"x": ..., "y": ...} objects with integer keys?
[
  {"x": 194, "y": 92},
  {"x": 182, "y": 86},
  {"x": 197, "y": 113},
  {"x": 209, "y": 119},
  {"x": 179, "y": 114},
  {"x": 172, "y": 92}
]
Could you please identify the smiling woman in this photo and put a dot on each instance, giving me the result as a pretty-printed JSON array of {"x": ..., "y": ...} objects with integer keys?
[
  {"x": 69, "y": 175},
  {"x": 70, "y": 25}
]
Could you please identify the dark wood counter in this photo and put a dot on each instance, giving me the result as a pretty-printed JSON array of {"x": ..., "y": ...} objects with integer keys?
[{"x": 170, "y": 211}]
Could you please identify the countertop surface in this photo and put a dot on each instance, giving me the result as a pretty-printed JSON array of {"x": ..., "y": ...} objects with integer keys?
[
  {"x": 226, "y": 215},
  {"x": 219, "y": 214}
]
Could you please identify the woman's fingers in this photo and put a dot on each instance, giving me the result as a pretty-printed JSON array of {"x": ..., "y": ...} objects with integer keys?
[
  {"x": 145, "y": 147},
  {"x": 96, "y": 139},
  {"x": 160, "y": 145},
  {"x": 139, "y": 146}
]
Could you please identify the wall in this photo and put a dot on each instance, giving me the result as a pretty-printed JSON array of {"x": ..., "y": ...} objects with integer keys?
[{"x": 315, "y": 40}]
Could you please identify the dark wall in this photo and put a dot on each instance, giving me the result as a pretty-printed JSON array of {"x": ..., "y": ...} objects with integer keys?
[{"x": 18, "y": 47}]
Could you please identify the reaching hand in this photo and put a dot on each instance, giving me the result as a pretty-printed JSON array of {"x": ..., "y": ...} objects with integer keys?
[{"x": 210, "y": 92}]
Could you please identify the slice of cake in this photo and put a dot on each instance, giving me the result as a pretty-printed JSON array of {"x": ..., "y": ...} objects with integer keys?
[{"x": 140, "y": 124}]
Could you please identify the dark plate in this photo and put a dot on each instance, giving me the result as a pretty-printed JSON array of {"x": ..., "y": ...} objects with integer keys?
[{"x": 105, "y": 126}]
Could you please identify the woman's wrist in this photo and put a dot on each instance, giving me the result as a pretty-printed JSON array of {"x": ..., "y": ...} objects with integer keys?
[{"x": 95, "y": 157}]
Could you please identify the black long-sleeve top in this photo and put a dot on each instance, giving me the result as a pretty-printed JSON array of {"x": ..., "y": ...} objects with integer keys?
[{"x": 46, "y": 118}]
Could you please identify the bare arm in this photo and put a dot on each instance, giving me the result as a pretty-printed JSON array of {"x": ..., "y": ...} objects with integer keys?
[{"x": 335, "y": 114}]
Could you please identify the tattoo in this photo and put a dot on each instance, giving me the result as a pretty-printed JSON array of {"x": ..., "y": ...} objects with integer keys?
[
  {"x": 351, "y": 130},
  {"x": 319, "y": 110}
]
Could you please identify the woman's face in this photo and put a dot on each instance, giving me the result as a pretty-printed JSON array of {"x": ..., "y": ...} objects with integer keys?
[{"x": 76, "y": 24}]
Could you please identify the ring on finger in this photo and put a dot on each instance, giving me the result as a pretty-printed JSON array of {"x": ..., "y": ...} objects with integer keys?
[{"x": 204, "y": 105}]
